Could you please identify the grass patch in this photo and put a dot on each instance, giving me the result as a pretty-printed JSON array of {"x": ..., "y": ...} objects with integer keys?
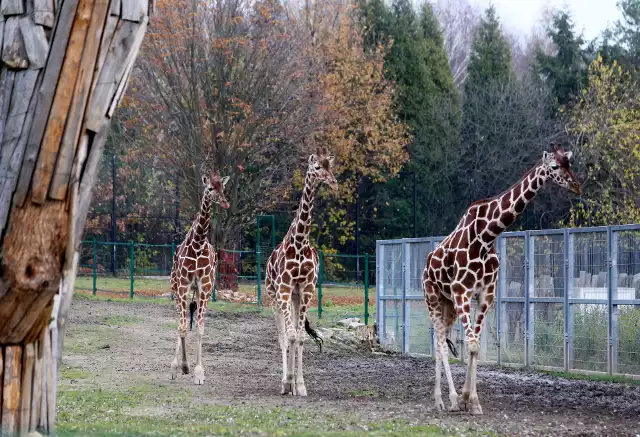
[
  {"x": 152, "y": 410},
  {"x": 73, "y": 373},
  {"x": 596, "y": 378},
  {"x": 122, "y": 320},
  {"x": 88, "y": 339}
]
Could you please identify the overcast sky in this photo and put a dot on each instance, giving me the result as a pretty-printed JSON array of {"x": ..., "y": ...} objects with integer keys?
[{"x": 590, "y": 16}]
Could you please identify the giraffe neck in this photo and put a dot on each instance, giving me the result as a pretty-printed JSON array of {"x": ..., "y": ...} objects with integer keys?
[
  {"x": 513, "y": 202},
  {"x": 202, "y": 223},
  {"x": 301, "y": 225}
]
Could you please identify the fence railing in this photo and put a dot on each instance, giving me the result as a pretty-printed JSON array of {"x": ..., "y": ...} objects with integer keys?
[
  {"x": 143, "y": 270},
  {"x": 568, "y": 299}
]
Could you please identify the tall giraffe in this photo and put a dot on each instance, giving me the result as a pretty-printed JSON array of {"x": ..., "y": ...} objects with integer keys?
[
  {"x": 292, "y": 274},
  {"x": 465, "y": 265},
  {"x": 194, "y": 267}
]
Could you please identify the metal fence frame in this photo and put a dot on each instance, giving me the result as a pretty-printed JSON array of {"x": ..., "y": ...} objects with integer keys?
[
  {"x": 397, "y": 289},
  {"x": 258, "y": 260}
]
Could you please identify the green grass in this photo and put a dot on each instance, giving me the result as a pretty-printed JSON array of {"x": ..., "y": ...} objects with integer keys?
[
  {"x": 122, "y": 320},
  {"x": 123, "y": 285},
  {"x": 155, "y": 410},
  {"x": 88, "y": 339},
  {"x": 73, "y": 373},
  {"x": 597, "y": 378}
]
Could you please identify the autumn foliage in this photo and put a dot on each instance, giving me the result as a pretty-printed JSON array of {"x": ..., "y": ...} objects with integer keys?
[{"x": 250, "y": 88}]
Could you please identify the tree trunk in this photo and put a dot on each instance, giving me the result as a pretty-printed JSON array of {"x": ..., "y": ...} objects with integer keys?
[{"x": 63, "y": 70}]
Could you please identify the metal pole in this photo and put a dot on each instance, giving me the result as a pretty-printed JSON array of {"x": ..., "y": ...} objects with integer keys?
[
  {"x": 366, "y": 288},
  {"x": 415, "y": 205},
  {"x": 173, "y": 254},
  {"x": 176, "y": 220},
  {"x": 320, "y": 278},
  {"x": 131, "y": 267},
  {"x": 113, "y": 213},
  {"x": 258, "y": 275},
  {"x": 357, "y": 226},
  {"x": 95, "y": 266}
]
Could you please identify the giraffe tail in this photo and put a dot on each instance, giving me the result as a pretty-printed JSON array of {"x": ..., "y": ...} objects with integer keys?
[
  {"x": 313, "y": 334},
  {"x": 193, "y": 306},
  {"x": 452, "y": 348}
]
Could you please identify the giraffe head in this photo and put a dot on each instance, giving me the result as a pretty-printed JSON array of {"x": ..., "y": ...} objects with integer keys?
[
  {"x": 321, "y": 168},
  {"x": 558, "y": 165},
  {"x": 214, "y": 188}
]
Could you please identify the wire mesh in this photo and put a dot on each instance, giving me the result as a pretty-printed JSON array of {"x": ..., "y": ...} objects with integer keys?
[
  {"x": 538, "y": 327},
  {"x": 590, "y": 337},
  {"x": 512, "y": 269},
  {"x": 628, "y": 339},
  {"x": 628, "y": 265},
  {"x": 548, "y": 328},
  {"x": 419, "y": 337}
]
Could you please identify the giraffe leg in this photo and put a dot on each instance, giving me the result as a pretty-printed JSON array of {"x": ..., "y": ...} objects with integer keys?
[
  {"x": 463, "y": 310},
  {"x": 181, "y": 306},
  {"x": 437, "y": 391},
  {"x": 485, "y": 303},
  {"x": 204, "y": 294},
  {"x": 286, "y": 307},
  {"x": 437, "y": 314},
  {"x": 453, "y": 395},
  {"x": 282, "y": 339},
  {"x": 305, "y": 298}
]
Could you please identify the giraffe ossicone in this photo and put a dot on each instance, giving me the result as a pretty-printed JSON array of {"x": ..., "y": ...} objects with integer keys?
[
  {"x": 465, "y": 266},
  {"x": 194, "y": 267},
  {"x": 292, "y": 275}
]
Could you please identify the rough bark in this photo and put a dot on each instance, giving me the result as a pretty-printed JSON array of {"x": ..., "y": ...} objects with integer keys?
[{"x": 63, "y": 70}]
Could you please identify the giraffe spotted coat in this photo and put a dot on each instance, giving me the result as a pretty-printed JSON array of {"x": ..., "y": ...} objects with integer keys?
[
  {"x": 465, "y": 266},
  {"x": 194, "y": 267}
]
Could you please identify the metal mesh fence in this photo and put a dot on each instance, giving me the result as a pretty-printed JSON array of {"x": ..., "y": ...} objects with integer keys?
[
  {"x": 568, "y": 299},
  {"x": 143, "y": 270}
]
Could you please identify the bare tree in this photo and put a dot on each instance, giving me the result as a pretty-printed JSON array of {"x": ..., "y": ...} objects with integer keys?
[{"x": 458, "y": 19}]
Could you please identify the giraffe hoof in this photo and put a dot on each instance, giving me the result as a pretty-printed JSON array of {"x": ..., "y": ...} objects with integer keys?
[
  {"x": 476, "y": 410},
  {"x": 185, "y": 369},
  {"x": 198, "y": 376},
  {"x": 455, "y": 404},
  {"x": 301, "y": 390},
  {"x": 287, "y": 388}
]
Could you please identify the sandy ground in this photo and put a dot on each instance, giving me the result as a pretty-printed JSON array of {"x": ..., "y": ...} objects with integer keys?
[{"x": 243, "y": 366}]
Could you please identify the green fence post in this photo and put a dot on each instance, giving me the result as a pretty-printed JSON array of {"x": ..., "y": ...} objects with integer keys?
[
  {"x": 214, "y": 292},
  {"x": 95, "y": 266},
  {"x": 320, "y": 278},
  {"x": 173, "y": 254},
  {"x": 258, "y": 274},
  {"x": 366, "y": 288},
  {"x": 131, "y": 267}
]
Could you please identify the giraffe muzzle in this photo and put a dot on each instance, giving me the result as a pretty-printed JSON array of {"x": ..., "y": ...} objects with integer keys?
[{"x": 576, "y": 188}]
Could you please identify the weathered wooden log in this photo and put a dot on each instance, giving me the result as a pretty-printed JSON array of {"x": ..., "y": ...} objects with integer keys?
[{"x": 64, "y": 66}]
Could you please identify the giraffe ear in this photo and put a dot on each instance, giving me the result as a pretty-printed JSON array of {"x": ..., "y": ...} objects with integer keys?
[
  {"x": 331, "y": 160},
  {"x": 313, "y": 158},
  {"x": 205, "y": 180},
  {"x": 225, "y": 180},
  {"x": 568, "y": 154}
]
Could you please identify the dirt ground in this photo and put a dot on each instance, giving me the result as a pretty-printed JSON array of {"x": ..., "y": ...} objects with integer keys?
[{"x": 243, "y": 366}]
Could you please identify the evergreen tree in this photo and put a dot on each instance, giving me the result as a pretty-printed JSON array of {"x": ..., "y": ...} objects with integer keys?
[
  {"x": 490, "y": 53},
  {"x": 428, "y": 102},
  {"x": 565, "y": 71},
  {"x": 628, "y": 30}
]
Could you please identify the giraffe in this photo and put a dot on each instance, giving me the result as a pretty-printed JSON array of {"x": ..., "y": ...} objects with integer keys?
[
  {"x": 194, "y": 267},
  {"x": 465, "y": 266},
  {"x": 292, "y": 274}
]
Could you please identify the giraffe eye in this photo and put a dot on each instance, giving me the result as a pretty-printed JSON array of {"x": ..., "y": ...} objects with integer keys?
[{"x": 554, "y": 166}]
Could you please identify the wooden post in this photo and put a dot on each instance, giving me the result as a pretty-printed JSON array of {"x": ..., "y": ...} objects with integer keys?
[{"x": 64, "y": 67}]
